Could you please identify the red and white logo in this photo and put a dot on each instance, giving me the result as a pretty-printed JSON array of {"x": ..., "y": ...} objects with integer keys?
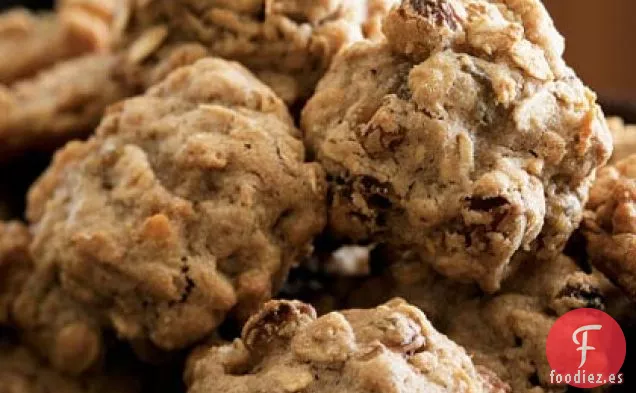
[{"x": 586, "y": 348}]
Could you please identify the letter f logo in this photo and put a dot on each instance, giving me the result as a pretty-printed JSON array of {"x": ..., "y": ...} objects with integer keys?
[{"x": 583, "y": 346}]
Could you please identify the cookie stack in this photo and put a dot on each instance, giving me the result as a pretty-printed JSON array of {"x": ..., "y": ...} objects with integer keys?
[{"x": 429, "y": 175}]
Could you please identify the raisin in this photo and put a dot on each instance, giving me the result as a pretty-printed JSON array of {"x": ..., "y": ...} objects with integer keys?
[{"x": 439, "y": 10}]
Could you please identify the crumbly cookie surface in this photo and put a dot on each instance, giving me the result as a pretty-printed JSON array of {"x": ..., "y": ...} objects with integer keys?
[
  {"x": 463, "y": 137},
  {"x": 610, "y": 223},
  {"x": 60, "y": 103},
  {"x": 287, "y": 43},
  {"x": 624, "y": 136},
  {"x": 189, "y": 202},
  {"x": 391, "y": 348}
]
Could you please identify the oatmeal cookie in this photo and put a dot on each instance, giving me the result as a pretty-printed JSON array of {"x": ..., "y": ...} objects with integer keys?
[
  {"x": 610, "y": 223},
  {"x": 287, "y": 43},
  {"x": 62, "y": 330},
  {"x": 34, "y": 42},
  {"x": 60, "y": 77},
  {"x": 505, "y": 333},
  {"x": 52, "y": 322},
  {"x": 60, "y": 103},
  {"x": 22, "y": 372},
  {"x": 624, "y": 136},
  {"x": 391, "y": 348},
  {"x": 189, "y": 202},
  {"x": 464, "y": 137}
]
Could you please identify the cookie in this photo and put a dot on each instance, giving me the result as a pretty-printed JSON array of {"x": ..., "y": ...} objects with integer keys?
[
  {"x": 190, "y": 202},
  {"x": 610, "y": 223},
  {"x": 34, "y": 42},
  {"x": 287, "y": 43},
  {"x": 60, "y": 103},
  {"x": 624, "y": 136},
  {"x": 286, "y": 348},
  {"x": 463, "y": 137},
  {"x": 506, "y": 333},
  {"x": 60, "y": 77},
  {"x": 67, "y": 334}
]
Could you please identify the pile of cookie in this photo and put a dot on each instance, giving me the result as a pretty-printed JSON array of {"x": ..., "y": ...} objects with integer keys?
[{"x": 427, "y": 174}]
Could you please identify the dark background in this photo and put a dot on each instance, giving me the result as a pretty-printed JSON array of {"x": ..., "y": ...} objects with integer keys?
[{"x": 26, "y": 3}]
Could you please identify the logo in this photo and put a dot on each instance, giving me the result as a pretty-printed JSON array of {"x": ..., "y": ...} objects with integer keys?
[{"x": 586, "y": 348}]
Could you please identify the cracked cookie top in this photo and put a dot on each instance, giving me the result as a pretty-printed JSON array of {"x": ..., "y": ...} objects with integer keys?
[
  {"x": 189, "y": 202},
  {"x": 391, "y": 348},
  {"x": 463, "y": 137}
]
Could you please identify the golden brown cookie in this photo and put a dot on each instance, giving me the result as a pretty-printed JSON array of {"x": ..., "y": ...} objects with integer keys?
[
  {"x": 190, "y": 201},
  {"x": 463, "y": 138},
  {"x": 624, "y": 136},
  {"x": 287, "y": 43},
  {"x": 389, "y": 349},
  {"x": 52, "y": 322},
  {"x": 610, "y": 223},
  {"x": 32, "y": 42},
  {"x": 57, "y": 78},
  {"x": 505, "y": 333},
  {"x": 60, "y": 103},
  {"x": 89, "y": 22}
]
